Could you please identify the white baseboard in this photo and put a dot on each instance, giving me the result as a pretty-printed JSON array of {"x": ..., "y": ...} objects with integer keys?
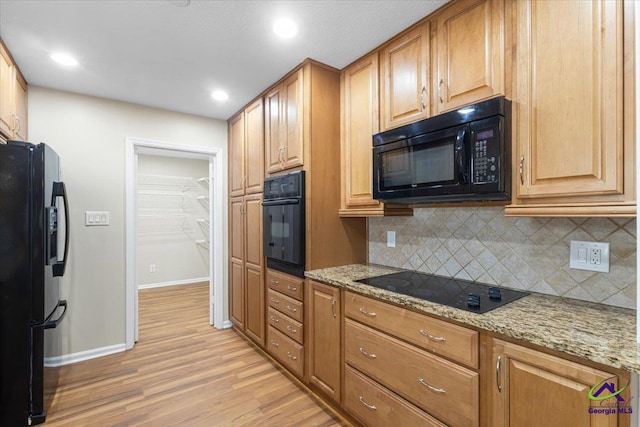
[
  {"x": 68, "y": 359},
  {"x": 226, "y": 324},
  {"x": 174, "y": 283}
]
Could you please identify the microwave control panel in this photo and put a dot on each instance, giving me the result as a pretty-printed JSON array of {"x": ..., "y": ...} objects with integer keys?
[{"x": 486, "y": 156}]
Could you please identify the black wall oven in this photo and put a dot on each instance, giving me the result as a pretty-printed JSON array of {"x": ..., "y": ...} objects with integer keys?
[
  {"x": 456, "y": 156},
  {"x": 283, "y": 218}
]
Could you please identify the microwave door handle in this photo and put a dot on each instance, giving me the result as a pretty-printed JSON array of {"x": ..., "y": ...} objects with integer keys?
[{"x": 460, "y": 156}]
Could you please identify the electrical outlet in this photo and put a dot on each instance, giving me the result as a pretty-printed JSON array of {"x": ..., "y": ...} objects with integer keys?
[
  {"x": 391, "y": 239},
  {"x": 152, "y": 268},
  {"x": 590, "y": 256}
]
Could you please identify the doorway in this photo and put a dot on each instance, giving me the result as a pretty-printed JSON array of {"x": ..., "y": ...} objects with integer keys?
[{"x": 134, "y": 147}]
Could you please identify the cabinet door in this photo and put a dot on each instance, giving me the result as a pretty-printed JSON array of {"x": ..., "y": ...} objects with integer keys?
[
  {"x": 292, "y": 108},
  {"x": 359, "y": 124},
  {"x": 569, "y": 95},
  {"x": 405, "y": 85},
  {"x": 21, "y": 123},
  {"x": 470, "y": 49},
  {"x": 236, "y": 269},
  {"x": 255, "y": 320},
  {"x": 254, "y": 151},
  {"x": 236, "y": 155},
  {"x": 324, "y": 338},
  {"x": 542, "y": 390},
  {"x": 6, "y": 93},
  {"x": 273, "y": 132}
]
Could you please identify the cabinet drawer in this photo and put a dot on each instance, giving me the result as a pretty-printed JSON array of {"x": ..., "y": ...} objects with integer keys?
[
  {"x": 288, "y": 285},
  {"x": 440, "y": 387},
  {"x": 439, "y": 337},
  {"x": 286, "y": 305},
  {"x": 286, "y": 325},
  {"x": 376, "y": 406},
  {"x": 287, "y": 351}
]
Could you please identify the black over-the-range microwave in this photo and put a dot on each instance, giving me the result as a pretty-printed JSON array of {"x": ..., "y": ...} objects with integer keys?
[{"x": 461, "y": 155}]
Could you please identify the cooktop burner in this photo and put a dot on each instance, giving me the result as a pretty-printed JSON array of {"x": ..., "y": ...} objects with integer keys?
[{"x": 458, "y": 293}]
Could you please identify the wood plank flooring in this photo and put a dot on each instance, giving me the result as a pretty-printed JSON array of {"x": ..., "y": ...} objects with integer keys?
[{"x": 182, "y": 372}]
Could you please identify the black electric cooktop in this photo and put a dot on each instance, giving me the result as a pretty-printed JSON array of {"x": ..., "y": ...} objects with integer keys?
[{"x": 463, "y": 294}]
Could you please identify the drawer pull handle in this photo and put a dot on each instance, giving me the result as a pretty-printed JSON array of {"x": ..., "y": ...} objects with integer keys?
[
  {"x": 275, "y": 282},
  {"x": 275, "y": 344},
  {"x": 275, "y": 301},
  {"x": 373, "y": 407},
  {"x": 432, "y": 337},
  {"x": 291, "y": 356},
  {"x": 273, "y": 319},
  {"x": 430, "y": 387},
  {"x": 292, "y": 288},
  {"x": 294, "y": 310},
  {"x": 290, "y": 329},
  {"x": 366, "y": 313},
  {"x": 369, "y": 355}
]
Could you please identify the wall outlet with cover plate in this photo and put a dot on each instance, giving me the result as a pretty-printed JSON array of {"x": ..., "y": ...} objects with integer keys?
[{"x": 591, "y": 256}]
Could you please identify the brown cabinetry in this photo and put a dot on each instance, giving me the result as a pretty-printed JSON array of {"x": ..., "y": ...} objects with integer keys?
[
  {"x": 359, "y": 122},
  {"x": 246, "y": 151},
  {"x": 246, "y": 289},
  {"x": 425, "y": 378},
  {"x": 324, "y": 338},
  {"x": 284, "y": 124},
  {"x": 573, "y": 144},
  {"x": 405, "y": 90},
  {"x": 13, "y": 98},
  {"x": 286, "y": 320},
  {"x": 530, "y": 388},
  {"x": 469, "y": 46}
]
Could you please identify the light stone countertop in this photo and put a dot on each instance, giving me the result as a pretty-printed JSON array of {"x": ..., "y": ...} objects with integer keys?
[{"x": 596, "y": 332}]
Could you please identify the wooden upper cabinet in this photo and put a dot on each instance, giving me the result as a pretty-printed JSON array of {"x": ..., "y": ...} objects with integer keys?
[
  {"x": 284, "y": 123},
  {"x": 522, "y": 381},
  {"x": 7, "y": 70},
  {"x": 470, "y": 46},
  {"x": 246, "y": 151},
  {"x": 236, "y": 155},
  {"x": 404, "y": 90},
  {"x": 571, "y": 118},
  {"x": 20, "y": 92},
  {"x": 359, "y": 122},
  {"x": 254, "y": 147}
]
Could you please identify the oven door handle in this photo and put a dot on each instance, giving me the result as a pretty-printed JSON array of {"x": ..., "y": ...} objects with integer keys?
[
  {"x": 281, "y": 202},
  {"x": 460, "y": 157}
]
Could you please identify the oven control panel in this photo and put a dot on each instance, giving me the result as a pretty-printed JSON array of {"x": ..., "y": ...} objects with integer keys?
[
  {"x": 289, "y": 185},
  {"x": 485, "y": 156}
]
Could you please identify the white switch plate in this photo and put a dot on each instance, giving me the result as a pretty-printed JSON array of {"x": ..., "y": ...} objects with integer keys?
[
  {"x": 92, "y": 218},
  {"x": 391, "y": 239},
  {"x": 591, "y": 256}
]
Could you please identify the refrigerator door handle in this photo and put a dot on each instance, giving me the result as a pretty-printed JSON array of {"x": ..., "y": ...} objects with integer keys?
[
  {"x": 59, "y": 190},
  {"x": 51, "y": 324}
]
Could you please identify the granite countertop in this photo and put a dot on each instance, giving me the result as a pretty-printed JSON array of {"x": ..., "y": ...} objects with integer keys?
[{"x": 596, "y": 332}]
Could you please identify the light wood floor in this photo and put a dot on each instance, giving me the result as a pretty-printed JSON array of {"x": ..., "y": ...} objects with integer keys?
[{"x": 182, "y": 372}]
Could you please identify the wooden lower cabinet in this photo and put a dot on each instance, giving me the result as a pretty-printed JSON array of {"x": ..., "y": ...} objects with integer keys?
[
  {"x": 324, "y": 325},
  {"x": 254, "y": 324},
  {"x": 530, "y": 389},
  {"x": 375, "y": 406}
]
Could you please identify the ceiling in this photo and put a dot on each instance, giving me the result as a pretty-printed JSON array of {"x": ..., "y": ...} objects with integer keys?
[{"x": 159, "y": 54}]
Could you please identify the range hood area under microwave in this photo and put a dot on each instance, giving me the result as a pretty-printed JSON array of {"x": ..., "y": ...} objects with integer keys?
[{"x": 461, "y": 155}]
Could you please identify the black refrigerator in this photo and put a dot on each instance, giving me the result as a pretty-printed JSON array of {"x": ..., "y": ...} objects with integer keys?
[{"x": 31, "y": 197}]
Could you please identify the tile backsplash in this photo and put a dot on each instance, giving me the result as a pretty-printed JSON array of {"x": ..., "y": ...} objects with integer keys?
[{"x": 523, "y": 253}]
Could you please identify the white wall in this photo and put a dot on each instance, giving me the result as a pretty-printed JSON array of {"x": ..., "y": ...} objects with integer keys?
[
  {"x": 167, "y": 227},
  {"x": 89, "y": 135}
]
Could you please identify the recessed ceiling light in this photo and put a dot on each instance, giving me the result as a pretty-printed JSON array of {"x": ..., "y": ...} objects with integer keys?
[
  {"x": 219, "y": 95},
  {"x": 285, "y": 28},
  {"x": 64, "y": 59},
  {"x": 180, "y": 3}
]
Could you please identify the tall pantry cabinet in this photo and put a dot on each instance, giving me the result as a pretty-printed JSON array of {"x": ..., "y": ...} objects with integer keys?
[{"x": 246, "y": 176}]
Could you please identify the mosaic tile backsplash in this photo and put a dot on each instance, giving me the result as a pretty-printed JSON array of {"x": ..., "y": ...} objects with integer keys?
[{"x": 523, "y": 253}]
